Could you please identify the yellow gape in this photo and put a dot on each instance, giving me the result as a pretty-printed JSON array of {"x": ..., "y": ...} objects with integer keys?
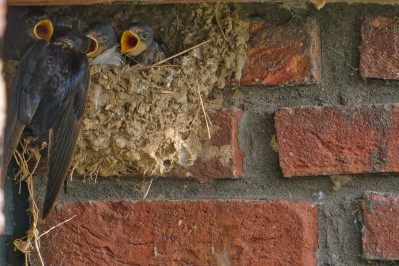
[
  {"x": 129, "y": 42},
  {"x": 44, "y": 29},
  {"x": 93, "y": 45}
]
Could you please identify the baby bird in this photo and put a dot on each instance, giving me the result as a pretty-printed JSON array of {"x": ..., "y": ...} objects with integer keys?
[
  {"x": 139, "y": 45},
  {"x": 23, "y": 29},
  {"x": 103, "y": 47}
]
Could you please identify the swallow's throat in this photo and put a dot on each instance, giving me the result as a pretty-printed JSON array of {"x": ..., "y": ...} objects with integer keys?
[
  {"x": 133, "y": 41},
  {"x": 129, "y": 42},
  {"x": 44, "y": 29},
  {"x": 93, "y": 46}
]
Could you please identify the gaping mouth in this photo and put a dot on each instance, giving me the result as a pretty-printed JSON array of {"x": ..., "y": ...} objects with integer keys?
[
  {"x": 93, "y": 46},
  {"x": 43, "y": 29},
  {"x": 129, "y": 41}
]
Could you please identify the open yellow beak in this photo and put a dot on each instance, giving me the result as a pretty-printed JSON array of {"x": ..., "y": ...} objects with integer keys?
[
  {"x": 93, "y": 45},
  {"x": 129, "y": 41},
  {"x": 44, "y": 29}
]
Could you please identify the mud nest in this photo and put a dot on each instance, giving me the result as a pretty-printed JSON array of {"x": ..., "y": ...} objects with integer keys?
[{"x": 145, "y": 121}]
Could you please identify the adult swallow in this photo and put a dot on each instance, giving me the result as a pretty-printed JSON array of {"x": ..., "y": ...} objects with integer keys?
[
  {"x": 103, "y": 48},
  {"x": 43, "y": 30},
  {"x": 23, "y": 30},
  {"x": 48, "y": 97},
  {"x": 138, "y": 44}
]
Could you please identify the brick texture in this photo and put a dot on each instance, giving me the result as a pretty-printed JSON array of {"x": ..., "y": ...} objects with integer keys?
[
  {"x": 380, "y": 227},
  {"x": 338, "y": 140},
  {"x": 284, "y": 54},
  {"x": 182, "y": 233},
  {"x": 221, "y": 157},
  {"x": 379, "y": 57}
]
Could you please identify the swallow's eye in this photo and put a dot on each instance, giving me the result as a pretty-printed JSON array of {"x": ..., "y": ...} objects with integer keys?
[
  {"x": 104, "y": 38},
  {"x": 31, "y": 22},
  {"x": 144, "y": 35}
]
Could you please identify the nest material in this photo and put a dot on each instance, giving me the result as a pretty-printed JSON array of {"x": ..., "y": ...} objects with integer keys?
[
  {"x": 183, "y": 26},
  {"x": 146, "y": 121}
]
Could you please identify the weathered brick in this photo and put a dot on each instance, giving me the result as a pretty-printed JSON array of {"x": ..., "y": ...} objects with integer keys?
[
  {"x": 202, "y": 232},
  {"x": 379, "y": 57},
  {"x": 338, "y": 139},
  {"x": 288, "y": 53},
  {"x": 221, "y": 157},
  {"x": 380, "y": 227}
]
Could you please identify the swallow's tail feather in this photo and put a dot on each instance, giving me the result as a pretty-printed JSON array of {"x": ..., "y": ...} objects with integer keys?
[{"x": 62, "y": 141}]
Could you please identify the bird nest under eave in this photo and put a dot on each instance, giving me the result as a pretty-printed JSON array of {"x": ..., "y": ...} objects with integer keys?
[{"x": 148, "y": 120}]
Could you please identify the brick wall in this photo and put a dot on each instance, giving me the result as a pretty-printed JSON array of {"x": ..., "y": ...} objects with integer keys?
[{"x": 313, "y": 132}]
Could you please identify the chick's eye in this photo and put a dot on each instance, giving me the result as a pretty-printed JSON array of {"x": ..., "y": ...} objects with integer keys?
[
  {"x": 144, "y": 35},
  {"x": 31, "y": 22},
  {"x": 104, "y": 38}
]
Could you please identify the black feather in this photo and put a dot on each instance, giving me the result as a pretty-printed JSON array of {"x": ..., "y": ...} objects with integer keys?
[{"x": 49, "y": 94}]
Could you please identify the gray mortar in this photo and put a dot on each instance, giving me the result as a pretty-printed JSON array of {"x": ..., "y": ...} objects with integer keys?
[{"x": 339, "y": 211}]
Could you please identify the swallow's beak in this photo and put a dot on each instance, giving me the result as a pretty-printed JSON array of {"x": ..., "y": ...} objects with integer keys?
[
  {"x": 129, "y": 41},
  {"x": 93, "y": 46},
  {"x": 44, "y": 29}
]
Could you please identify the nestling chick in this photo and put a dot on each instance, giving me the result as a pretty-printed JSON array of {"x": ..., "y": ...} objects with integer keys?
[
  {"x": 23, "y": 30},
  {"x": 138, "y": 44},
  {"x": 103, "y": 48}
]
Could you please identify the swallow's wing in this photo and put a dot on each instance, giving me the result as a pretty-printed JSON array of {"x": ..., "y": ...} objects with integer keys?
[
  {"x": 24, "y": 97},
  {"x": 63, "y": 135}
]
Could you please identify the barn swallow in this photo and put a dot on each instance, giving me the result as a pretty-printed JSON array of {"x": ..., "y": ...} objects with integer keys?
[
  {"x": 138, "y": 44},
  {"x": 43, "y": 30},
  {"x": 22, "y": 31},
  {"x": 103, "y": 47},
  {"x": 48, "y": 97}
]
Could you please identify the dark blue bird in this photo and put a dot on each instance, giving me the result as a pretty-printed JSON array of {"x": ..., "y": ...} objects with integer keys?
[{"x": 47, "y": 98}]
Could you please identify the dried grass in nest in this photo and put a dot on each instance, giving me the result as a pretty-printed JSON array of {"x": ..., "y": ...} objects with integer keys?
[
  {"x": 134, "y": 128},
  {"x": 30, "y": 242},
  {"x": 147, "y": 120}
]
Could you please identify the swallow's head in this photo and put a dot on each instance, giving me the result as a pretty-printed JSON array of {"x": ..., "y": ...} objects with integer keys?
[
  {"x": 74, "y": 39},
  {"x": 43, "y": 29},
  {"x": 102, "y": 36},
  {"x": 136, "y": 39},
  {"x": 31, "y": 19}
]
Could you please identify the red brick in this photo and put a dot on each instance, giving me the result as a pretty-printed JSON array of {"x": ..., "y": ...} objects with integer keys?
[
  {"x": 182, "y": 233},
  {"x": 338, "y": 140},
  {"x": 380, "y": 227},
  {"x": 224, "y": 164},
  {"x": 284, "y": 54},
  {"x": 379, "y": 54}
]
